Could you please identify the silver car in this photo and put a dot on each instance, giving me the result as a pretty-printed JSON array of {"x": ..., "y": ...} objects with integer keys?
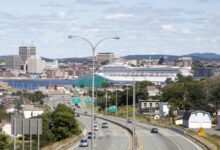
[{"x": 83, "y": 143}]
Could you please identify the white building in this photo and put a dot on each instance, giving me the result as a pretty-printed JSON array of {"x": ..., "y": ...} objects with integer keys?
[
  {"x": 31, "y": 111},
  {"x": 106, "y": 57},
  {"x": 164, "y": 109},
  {"x": 152, "y": 90},
  {"x": 197, "y": 119},
  {"x": 6, "y": 128},
  {"x": 51, "y": 65},
  {"x": 35, "y": 65}
]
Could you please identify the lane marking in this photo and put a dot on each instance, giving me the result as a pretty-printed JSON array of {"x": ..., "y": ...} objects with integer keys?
[
  {"x": 140, "y": 140},
  {"x": 173, "y": 141},
  {"x": 151, "y": 139}
]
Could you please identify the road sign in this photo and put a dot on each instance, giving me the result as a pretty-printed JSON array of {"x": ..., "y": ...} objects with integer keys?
[
  {"x": 201, "y": 132},
  {"x": 26, "y": 126},
  {"x": 76, "y": 100},
  {"x": 112, "y": 109},
  {"x": 88, "y": 101}
]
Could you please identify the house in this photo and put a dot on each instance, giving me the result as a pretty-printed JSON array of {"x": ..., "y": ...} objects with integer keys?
[
  {"x": 164, "y": 109},
  {"x": 32, "y": 111},
  {"x": 197, "y": 119},
  {"x": 179, "y": 120},
  {"x": 6, "y": 128},
  {"x": 152, "y": 90},
  {"x": 150, "y": 106}
]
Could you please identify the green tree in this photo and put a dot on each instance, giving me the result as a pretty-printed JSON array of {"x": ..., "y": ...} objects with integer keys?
[
  {"x": 64, "y": 122},
  {"x": 183, "y": 79},
  {"x": 4, "y": 141},
  {"x": 47, "y": 136},
  {"x": 215, "y": 98},
  {"x": 3, "y": 114}
]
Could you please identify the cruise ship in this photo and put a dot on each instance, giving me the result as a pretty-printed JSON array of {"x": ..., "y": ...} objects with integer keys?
[{"x": 156, "y": 74}]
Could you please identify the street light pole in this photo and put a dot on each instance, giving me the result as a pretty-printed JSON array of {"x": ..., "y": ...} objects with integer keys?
[
  {"x": 127, "y": 102},
  {"x": 106, "y": 103},
  {"x": 116, "y": 103},
  {"x": 133, "y": 117},
  {"x": 93, "y": 76}
]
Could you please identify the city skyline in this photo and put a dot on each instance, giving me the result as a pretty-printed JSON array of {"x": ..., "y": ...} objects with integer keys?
[{"x": 170, "y": 27}]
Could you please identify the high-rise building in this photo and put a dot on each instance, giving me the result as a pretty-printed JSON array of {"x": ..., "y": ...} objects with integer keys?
[
  {"x": 35, "y": 65},
  {"x": 13, "y": 62},
  {"x": 27, "y": 51},
  {"x": 106, "y": 58}
]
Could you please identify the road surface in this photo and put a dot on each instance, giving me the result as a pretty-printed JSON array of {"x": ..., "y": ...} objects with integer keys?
[
  {"x": 164, "y": 140},
  {"x": 112, "y": 138}
]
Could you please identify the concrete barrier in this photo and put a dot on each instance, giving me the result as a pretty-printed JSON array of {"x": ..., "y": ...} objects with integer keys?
[
  {"x": 178, "y": 130},
  {"x": 119, "y": 124}
]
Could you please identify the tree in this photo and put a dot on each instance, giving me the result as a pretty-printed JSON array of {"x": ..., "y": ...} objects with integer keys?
[
  {"x": 215, "y": 98},
  {"x": 183, "y": 79},
  {"x": 3, "y": 141},
  {"x": 3, "y": 114},
  {"x": 47, "y": 136},
  {"x": 64, "y": 122}
]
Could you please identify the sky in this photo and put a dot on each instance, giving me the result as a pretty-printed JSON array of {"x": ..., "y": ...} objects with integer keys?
[{"x": 173, "y": 27}]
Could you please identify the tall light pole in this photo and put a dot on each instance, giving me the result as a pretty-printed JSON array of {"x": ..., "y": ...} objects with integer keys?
[
  {"x": 106, "y": 103},
  {"x": 116, "y": 103},
  {"x": 93, "y": 75},
  {"x": 133, "y": 117},
  {"x": 127, "y": 101}
]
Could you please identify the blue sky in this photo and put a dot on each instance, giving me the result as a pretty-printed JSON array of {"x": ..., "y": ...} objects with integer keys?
[{"x": 145, "y": 26}]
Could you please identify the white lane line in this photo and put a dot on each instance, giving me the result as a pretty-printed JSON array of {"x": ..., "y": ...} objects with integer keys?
[
  {"x": 150, "y": 135},
  {"x": 173, "y": 141}
]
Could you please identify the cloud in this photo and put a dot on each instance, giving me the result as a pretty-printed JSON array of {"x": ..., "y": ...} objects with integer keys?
[
  {"x": 167, "y": 27},
  {"x": 119, "y": 16},
  {"x": 61, "y": 14},
  {"x": 96, "y": 2}
]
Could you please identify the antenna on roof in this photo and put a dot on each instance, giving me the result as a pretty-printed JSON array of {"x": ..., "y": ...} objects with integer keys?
[{"x": 32, "y": 43}]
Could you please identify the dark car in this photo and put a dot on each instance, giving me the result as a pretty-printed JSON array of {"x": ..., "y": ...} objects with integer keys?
[
  {"x": 129, "y": 121},
  {"x": 90, "y": 135},
  {"x": 105, "y": 125},
  {"x": 77, "y": 115},
  {"x": 154, "y": 130}
]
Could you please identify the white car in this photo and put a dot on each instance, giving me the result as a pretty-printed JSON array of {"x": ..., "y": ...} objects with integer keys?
[
  {"x": 83, "y": 143},
  {"x": 96, "y": 128}
]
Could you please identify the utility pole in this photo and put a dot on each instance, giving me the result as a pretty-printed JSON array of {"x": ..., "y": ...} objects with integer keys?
[
  {"x": 133, "y": 117},
  {"x": 106, "y": 103}
]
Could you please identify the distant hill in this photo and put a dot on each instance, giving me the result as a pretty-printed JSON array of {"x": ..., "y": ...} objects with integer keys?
[
  {"x": 195, "y": 56},
  {"x": 208, "y": 56}
]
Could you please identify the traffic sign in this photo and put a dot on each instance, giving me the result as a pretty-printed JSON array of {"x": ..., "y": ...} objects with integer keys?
[
  {"x": 201, "y": 132},
  {"x": 76, "y": 100},
  {"x": 88, "y": 101},
  {"x": 112, "y": 109}
]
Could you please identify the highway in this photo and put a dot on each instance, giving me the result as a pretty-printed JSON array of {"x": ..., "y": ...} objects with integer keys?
[
  {"x": 164, "y": 140},
  {"x": 112, "y": 138}
]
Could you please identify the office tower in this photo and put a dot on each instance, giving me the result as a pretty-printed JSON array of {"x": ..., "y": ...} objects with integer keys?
[
  {"x": 35, "y": 65},
  {"x": 13, "y": 62},
  {"x": 27, "y": 51}
]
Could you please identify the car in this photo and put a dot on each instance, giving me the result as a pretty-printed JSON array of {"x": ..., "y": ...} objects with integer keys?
[
  {"x": 105, "y": 125},
  {"x": 154, "y": 130},
  {"x": 83, "y": 143},
  {"x": 77, "y": 115},
  {"x": 129, "y": 121},
  {"x": 90, "y": 135},
  {"x": 85, "y": 112},
  {"x": 96, "y": 128}
]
